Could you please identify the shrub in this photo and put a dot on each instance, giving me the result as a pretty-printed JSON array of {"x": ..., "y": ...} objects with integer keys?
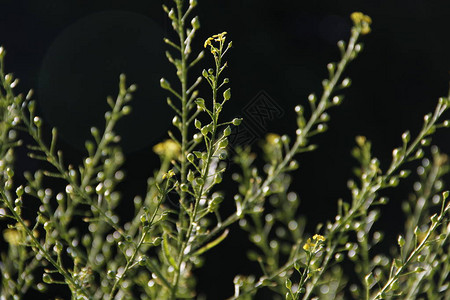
[{"x": 78, "y": 239}]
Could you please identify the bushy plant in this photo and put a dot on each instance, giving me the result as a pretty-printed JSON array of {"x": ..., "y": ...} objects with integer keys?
[{"x": 77, "y": 238}]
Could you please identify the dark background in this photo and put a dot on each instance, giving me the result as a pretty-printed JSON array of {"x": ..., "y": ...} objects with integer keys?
[{"x": 71, "y": 53}]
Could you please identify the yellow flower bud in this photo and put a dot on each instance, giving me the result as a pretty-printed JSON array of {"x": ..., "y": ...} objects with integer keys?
[
  {"x": 272, "y": 138},
  {"x": 168, "y": 149}
]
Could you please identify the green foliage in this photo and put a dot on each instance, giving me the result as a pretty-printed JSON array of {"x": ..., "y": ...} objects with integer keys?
[{"x": 154, "y": 254}]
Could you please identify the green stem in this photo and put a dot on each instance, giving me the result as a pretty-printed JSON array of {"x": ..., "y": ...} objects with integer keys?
[
  {"x": 138, "y": 246},
  {"x": 365, "y": 254},
  {"x": 413, "y": 254},
  {"x": 369, "y": 191},
  {"x": 322, "y": 106},
  {"x": 70, "y": 281},
  {"x": 184, "y": 134},
  {"x": 204, "y": 174}
]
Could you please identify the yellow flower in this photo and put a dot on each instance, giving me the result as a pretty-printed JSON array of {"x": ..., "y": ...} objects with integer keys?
[
  {"x": 365, "y": 30},
  {"x": 12, "y": 236},
  {"x": 314, "y": 246},
  {"x": 308, "y": 245},
  {"x": 360, "y": 140},
  {"x": 214, "y": 50},
  {"x": 208, "y": 42},
  {"x": 218, "y": 38},
  {"x": 318, "y": 237},
  {"x": 168, "y": 149},
  {"x": 361, "y": 21},
  {"x": 272, "y": 138},
  {"x": 169, "y": 174}
]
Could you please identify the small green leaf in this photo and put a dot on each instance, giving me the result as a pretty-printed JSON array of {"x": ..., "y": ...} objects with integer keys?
[
  {"x": 236, "y": 121},
  {"x": 211, "y": 244},
  {"x": 166, "y": 252},
  {"x": 200, "y": 104},
  {"x": 288, "y": 283},
  {"x": 198, "y": 154},
  {"x": 227, "y": 95}
]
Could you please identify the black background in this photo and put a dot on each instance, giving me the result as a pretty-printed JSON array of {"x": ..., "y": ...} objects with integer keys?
[{"x": 71, "y": 53}]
